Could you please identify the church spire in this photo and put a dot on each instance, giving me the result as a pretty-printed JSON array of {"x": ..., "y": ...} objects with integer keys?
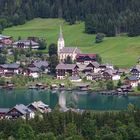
[
  {"x": 60, "y": 42},
  {"x": 60, "y": 33}
]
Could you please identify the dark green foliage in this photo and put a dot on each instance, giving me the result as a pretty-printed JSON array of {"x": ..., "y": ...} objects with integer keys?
[
  {"x": 90, "y": 25},
  {"x": 134, "y": 24},
  {"x": 99, "y": 38},
  {"x": 25, "y": 132},
  {"x": 74, "y": 126},
  {"x": 15, "y": 54},
  {"x": 110, "y": 136},
  {"x": 119, "y": 84},
  {"x": 89, "y": 129},
  {"x": 71, "y": 130},
  {"x": 47, "y": 136},
  {"x": 98, "y": 58},
  {"x": 2, "y": 81},
  {"x": 2, "y": 59},
  {"x": 52, "y": 49},
  {"x": 42, "y": 44},
  {"x": 110, "y": 85},
  {"x": 108, "y": 17},
  {"x": 53, "y": 63},
  {"x": 138, "y": 87}
]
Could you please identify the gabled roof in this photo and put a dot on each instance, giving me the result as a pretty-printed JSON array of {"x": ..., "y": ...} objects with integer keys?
[
  {"x": 26, "y": 42},
  {"x": 10, "y": 66},
  {"x": 39, "y": 64},
  {"x": 93, "y": 74},
  {"x": 111, "y": 71},
  {"x": 95, "y": 64},
  {"x": 39, "y": 104},
  {"x": 4, "y": 37},
  {"x": 88, "y": 68},
  {"x": 33, "y": 69},
  {"x": 66, "y": 66},
  {"x": 137, "y": 67},
  {"x": 70, "y": 50},
  {"x": 132, "y": 78},
  {"x": 4, "y": 110},
  {"x": 82, "y": 56},
  {"x": 102, "y": 66},
  {"x": 22, "y": 109},
  {"x": 81, "y": 66}
]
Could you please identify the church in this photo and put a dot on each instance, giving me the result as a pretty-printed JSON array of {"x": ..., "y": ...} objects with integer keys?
[{"x": 64, "y": 52}]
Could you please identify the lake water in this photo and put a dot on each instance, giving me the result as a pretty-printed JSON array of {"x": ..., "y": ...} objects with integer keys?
[{"x": 70, "y": 99}]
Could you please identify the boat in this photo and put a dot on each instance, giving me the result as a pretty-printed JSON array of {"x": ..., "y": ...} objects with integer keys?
[
  {"x": 32, "y": 87},
  {"x": 9, "y": 86},
  {"x": 54, "y": 87}
]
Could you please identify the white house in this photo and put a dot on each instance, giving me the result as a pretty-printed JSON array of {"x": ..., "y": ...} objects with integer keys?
[
  {"x": 132, "y": 81},
  {"x": 32, "y": 72},
  {"x": 20, "y": 111},
  {"x": 26, "y": 44}
]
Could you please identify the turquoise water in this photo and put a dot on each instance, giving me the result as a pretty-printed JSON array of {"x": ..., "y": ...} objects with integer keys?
[{"x": 70, "y": 99}]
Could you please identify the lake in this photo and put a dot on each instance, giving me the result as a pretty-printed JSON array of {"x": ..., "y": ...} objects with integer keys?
[{"x": 82, "y": 100}]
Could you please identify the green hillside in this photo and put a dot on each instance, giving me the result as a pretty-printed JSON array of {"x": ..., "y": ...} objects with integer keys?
[{"x": 122, "y": 51}]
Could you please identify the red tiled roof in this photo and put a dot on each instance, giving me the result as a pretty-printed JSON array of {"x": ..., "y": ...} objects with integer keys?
[{"x": 84, "y": 55}]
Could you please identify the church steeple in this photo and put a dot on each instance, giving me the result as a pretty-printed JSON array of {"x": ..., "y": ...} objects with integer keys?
[
  {"x": 60, "y": 33},
  {"x": 61, "y": 42}
]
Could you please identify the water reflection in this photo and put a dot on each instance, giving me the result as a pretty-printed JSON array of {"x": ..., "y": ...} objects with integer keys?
[{"x": 67, "y": 99}]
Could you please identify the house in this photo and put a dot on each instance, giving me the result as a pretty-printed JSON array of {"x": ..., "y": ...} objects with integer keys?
[
  {"x": 64, "y": 70},
  {"x": 135, "y": 71},
  {"x": 3, "y": 112},
  {"x": 132, "y": 81},
  {"x": 20, "y": 111},
  {"x": 88, "y": 70},
  {"x": 9, "y": 69},
  {"x": 26, "y": 44},
  {"x": 109, "y": 66},
  {"x": 81, "y": 67},
  {"x": 65, "y": 52},
  {"x": 95, "y": 66},
  {"x": 32, "y": 72},
  {"x": 121, "y": 71},
  {"x": 5, "y": 40},
  {"x": 110, "y": 74},
  {"x": 102, "y": 67},
  {"x": 75, "y": 79},
  {"x": 85, "y": 58},
  {"x": 39, "y": 106},
  {"x": 41, "y": 65},
  {"x": 93, "y": 76}
]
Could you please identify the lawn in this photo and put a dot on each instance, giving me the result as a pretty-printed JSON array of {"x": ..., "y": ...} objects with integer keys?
[{"x": 122, "y": 51}]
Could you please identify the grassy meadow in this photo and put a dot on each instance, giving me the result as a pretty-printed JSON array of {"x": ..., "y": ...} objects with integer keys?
[{"x": 122, "y": 51}]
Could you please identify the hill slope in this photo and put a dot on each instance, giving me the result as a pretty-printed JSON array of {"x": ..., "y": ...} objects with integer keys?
[{"x": 121, "y": 51}]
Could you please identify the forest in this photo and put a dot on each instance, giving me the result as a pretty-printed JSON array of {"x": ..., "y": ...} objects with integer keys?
[
  {"x": 74, "y": 126},
  {"x": 110, "y": 17}
]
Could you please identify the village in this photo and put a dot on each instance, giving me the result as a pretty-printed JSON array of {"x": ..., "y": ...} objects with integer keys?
[{"x": 80, "y": 69}]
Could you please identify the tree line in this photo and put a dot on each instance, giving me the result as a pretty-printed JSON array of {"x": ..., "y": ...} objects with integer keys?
[
  {"x": 75, "y": 126},
  {"x": 111, "y": 17}
]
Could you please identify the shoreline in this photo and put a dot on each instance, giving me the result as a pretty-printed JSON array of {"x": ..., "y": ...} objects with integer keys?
[{"x": 88, "y": 91}]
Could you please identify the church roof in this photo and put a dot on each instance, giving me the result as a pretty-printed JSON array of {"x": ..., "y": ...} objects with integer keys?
[{"x": 70, "y": 50}]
